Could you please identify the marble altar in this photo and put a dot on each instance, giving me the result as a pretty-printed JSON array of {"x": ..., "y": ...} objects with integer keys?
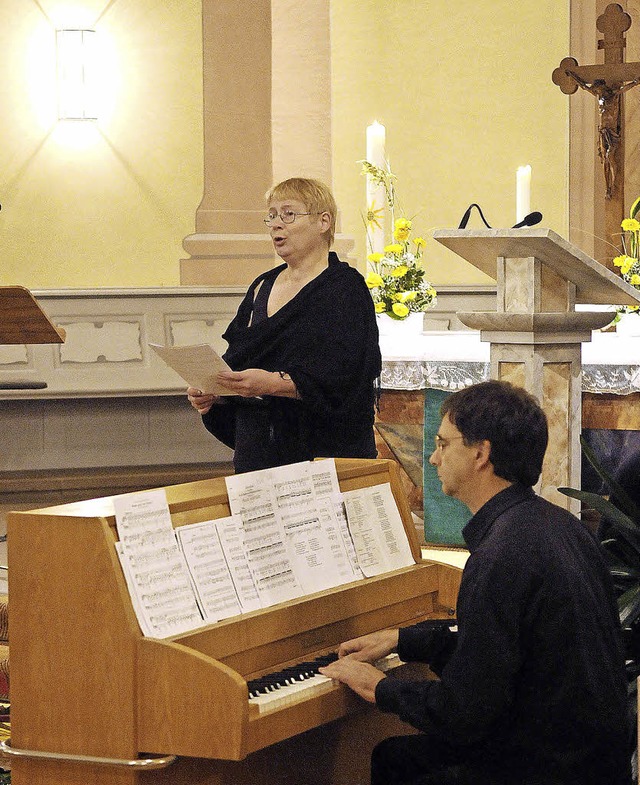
[{"x": 450, "y": 360}]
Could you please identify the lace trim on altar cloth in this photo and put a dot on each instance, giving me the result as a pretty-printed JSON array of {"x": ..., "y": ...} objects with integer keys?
[{"x": 447, "y": 375}]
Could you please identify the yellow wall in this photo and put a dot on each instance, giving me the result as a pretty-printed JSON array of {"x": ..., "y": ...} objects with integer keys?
[
  {"x": 464, "y": 90},
  {"x": 465, "y": 93},
  {"x": 100, "y": 204}
]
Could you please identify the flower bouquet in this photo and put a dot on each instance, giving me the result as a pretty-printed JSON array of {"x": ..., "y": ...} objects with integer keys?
[
  {"x": 628, "y": 262},
  {"x": 396, "y": 278}
]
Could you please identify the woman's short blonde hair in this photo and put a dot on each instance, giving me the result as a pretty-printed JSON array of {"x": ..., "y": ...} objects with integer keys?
[{"x": 314, "y": 195}]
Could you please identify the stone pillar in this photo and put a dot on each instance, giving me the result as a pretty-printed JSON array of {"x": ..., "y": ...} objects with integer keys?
[
  {"x": 267, "y": 116},
  {"x": 301, "y": 96},
  {"x": 230, "y": 245}
]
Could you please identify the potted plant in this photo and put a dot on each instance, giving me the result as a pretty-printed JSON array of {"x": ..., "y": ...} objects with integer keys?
[{"x": 619, "y": 533}]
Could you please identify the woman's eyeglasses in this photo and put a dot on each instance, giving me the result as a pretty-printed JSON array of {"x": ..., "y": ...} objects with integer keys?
[{"x": 286, "y": 216}]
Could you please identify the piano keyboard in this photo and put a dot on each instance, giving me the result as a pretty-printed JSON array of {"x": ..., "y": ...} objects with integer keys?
[{"x": 299, "y": 682}]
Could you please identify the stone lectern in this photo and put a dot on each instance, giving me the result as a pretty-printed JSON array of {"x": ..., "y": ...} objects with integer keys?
[{"x": 536, "y": 333}]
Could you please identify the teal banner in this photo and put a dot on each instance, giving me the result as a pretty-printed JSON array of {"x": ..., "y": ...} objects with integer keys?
[{"x": 444, "y": 517}]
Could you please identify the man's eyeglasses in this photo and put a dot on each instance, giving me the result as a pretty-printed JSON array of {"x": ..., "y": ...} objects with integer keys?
[
  {"x": 441, "y": 442},
  {"x": 286, "y": 216}
]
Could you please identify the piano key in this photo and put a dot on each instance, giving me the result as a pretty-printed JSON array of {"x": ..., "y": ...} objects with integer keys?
[{"x": 274, "y": 693}]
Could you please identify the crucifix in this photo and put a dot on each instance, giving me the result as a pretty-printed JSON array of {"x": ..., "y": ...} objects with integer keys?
[{"x": 607, "y": 82}]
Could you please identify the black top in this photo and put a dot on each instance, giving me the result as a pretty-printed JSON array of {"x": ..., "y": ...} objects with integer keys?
[
  {"x": 533, "y": 684},
  {"x": 326, "y": 339}
]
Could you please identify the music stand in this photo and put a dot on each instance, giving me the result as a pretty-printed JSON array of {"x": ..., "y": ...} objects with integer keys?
[{"x": 22, "y": 321}]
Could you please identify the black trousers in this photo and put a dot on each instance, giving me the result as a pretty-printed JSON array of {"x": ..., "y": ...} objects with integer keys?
[{"x": 426, "y": 759}]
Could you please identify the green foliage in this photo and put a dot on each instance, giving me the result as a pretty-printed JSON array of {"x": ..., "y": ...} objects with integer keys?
[{"x": 621, "y": 544}]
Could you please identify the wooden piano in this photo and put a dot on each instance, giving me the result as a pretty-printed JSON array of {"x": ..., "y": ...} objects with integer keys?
[{"x": 93, "y": 701}]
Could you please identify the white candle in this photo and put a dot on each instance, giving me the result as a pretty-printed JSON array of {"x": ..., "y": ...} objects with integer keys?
[
  {"x": 376, "y": 193},
  {"x": 375, "y": 143},
  {"x": 523, "y": 192}
]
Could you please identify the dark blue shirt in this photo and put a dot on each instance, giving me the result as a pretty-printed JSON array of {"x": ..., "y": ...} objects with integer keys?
[{"x": 534, "y": 684}]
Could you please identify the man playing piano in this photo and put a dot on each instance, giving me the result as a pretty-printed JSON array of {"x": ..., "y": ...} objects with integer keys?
[{"x": 532, "y": 689}]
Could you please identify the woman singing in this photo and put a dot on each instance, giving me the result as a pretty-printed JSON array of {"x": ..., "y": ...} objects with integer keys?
[{"x": 303, "y": 347}]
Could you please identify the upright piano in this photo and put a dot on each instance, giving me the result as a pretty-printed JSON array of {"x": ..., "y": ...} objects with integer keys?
[{"x": 93, "y": 701}]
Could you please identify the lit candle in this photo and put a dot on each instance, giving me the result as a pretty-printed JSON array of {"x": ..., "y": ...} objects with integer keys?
[
  {"x": 523, "y": 192},
  {"x": 375, "y": 192}
]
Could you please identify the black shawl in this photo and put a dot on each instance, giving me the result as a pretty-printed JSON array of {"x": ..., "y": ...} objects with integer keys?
[{"x": 326, "y": 339}]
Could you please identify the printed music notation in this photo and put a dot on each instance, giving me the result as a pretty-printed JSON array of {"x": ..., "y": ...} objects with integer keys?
[{"x": 291, "y": 532}]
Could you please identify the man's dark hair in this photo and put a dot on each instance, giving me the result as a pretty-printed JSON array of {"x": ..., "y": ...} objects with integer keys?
[{"x": 510, "y": 418}]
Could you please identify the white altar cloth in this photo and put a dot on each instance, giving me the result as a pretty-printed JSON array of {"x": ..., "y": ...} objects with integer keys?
[{"x": 450, "y": 360}]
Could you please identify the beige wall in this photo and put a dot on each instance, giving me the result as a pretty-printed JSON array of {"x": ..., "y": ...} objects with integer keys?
[
  {"x": 100, "y": 204},
  {"x": 465, "y": 93},
  {"x": 464, "y": 90}
]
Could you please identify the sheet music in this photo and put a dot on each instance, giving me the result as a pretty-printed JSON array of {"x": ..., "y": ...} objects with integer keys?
[
  {"x": 378, "y": 533},
  {"x": 212, "y": 579},
  {"x": 198, "y": 365},
  {"x": 316, "y": 549},
  {"x": 340, "y": 515},
  {"x": 231, "y": 536},
  {"x": 252, "y": 496},
  {"x": 293, "y": 487},
  {"x": 154, "y": 566},
  {"x": 324, "y": 478},
  {"x": 291, "y": 532}
]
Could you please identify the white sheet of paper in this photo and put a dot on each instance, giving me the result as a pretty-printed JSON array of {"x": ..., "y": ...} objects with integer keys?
[
  {"x": 252, "y": 497},
  {"x": 231, "y": 536},
  {"x": 164, "y": 603},
  {"x": 317, "y": 551},
  {"x": 292, "y": 505},
  {"x": 378, "y": 533},
  {"x": 143, "y": 520},
  {"x": 198, "y": 365},
  {"x": 324, "y": 477},
  {"x": 159, "y": 582},
  {"x": 293, "y": 486},
  {"x": 212, "y": 579},
  {"x": 354, "y": 571}
]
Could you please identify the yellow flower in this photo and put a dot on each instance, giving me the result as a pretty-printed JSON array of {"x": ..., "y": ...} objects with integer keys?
[
  {"x": 619, "y": 261},
  {"x": 399, "y": 271},
  {"x": 635, "y": 280},
  {"x": 406, "y": 297},
  {"x": 400, "y": 310},
  {"x": 420, "y": 242},
  {"x": 431, "y": 291},
  {"x": 627, "y": 264},
  {"x": 373, "y": 279},
  {"x": 375, "y": 257},
  {"x": 401, "y": 230},
  {"x": 393, "y": 248},
  {"x": 630, "y": 225},
  {"x": 380, "y": 307},
  {"x": 375, "y": 216}
]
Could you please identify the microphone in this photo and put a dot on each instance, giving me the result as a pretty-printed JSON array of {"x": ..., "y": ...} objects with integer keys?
[{"x": 529, "y": 220}]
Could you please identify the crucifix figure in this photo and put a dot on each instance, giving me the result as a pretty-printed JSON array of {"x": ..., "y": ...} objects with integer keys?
[
  {"x": 607, "y": 82},
  {"x": 609, "y": 126}
]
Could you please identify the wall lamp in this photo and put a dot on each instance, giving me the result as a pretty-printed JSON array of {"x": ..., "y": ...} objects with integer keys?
[{"x": 77, "y": 74}]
